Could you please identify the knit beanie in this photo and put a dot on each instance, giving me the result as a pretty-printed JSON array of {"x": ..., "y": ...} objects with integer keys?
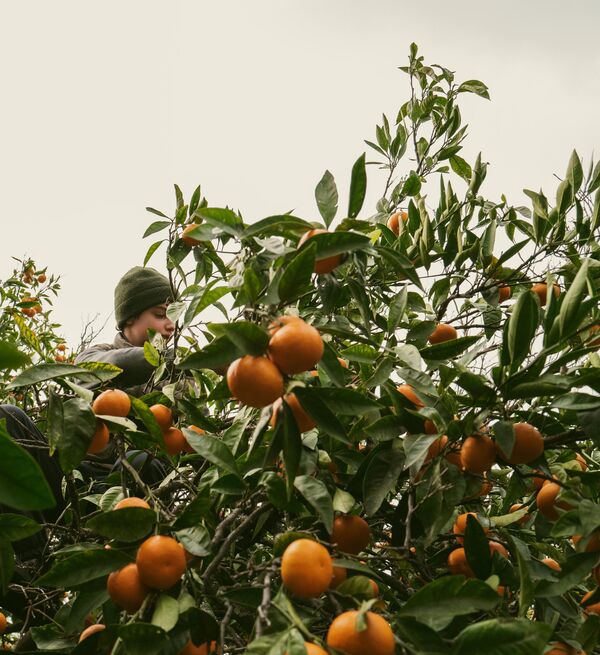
[{"x": 139, "y": 289}]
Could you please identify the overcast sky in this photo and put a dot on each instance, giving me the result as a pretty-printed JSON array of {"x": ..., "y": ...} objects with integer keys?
[{"x": 106, "y": 105}]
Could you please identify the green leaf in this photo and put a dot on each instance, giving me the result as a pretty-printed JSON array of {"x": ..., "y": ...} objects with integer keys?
[
  {"x": 330, "y": 364},
  {"x": 397, "y": 308},
  {"x": 202, "y": 300},
  {"x": 437, "y": 603},
  {"x": 228, "y": 221},
  {"x": 381, "y": 477},
  {"x": 412, "y": 185},
  {"x": 292, "y": 446},
  {"x": 594, "y": 182},
  {"x": 522, "y": 326},
  {"x": 327, "y": 197},
  {"x": 127, "y": 524},
  {"x": 360, "y": 353},
  {"x": 336, "y": 243},
  {"x": 316, "y": 493},
  {"x": 14, "y": 527},
  {"x": 474, "y": 86},
  {"x": 22, "y": 482},
  {"x": 44, "y": 372},
  {"x": 248, "y": 337},
  {"x": 297, "y": 274},
  {"x": 568, "y": 316},
  {"x": 448, "y": 349},
  {"x": 11, "y": 357},
  {"x": 143, "y": 638},
  {"x": 276, "y": 225},
  {"x": 503, "y": 637},
  {"x": 196, "y": 540},
  {"x": 461, "y": 167},
  {"x": 83, "y": 567},
  {"x": 217, "y": 353},
  {"x": 310, "y": 400},
  {"x": 347, "y": 401},
  {"x": 343, "y": 501},
  {"x": 578, "y": 402},
  {"x": 155, "y": 227},
  {"x": 575, "y": 570},
  {"x": 575, "y": 172},
  {"x": 477, "y": 548},
  {"x": 166, "y": 612},
  {"x": 358, "y": 187},
  {"x": 505, "y": 436},
  {"x": 212, "y": 449}
]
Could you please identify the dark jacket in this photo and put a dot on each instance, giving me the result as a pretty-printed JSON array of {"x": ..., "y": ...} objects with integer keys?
[{"x": 136, "y": 369}]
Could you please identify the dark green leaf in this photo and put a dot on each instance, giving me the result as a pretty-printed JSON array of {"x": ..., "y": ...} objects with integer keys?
[
  {"x": 569, "y": 310},
  {"x": 381, "y": 477},
  {"x": 358, "y": 187},
  {"x": 320, "y": 412},
  {"x": 212, "y": 449},
  {"x": 14, "y": 527},
  {"x": 143, "y": 638},
  {"x": 503, "y": 637},
  {"x": 327, "y": 197},
  {"x": 412, "y": 185},
  {"x": 11, "y": 357},
  {"x": 448, "y": 349},
  {"x": 228, "y": 221},
  {"x": 217, "y": 353},
  {"x": 248, "y": 337},
  {"x": 317, "y": 495},
  {"x": 522, "y": 326},
  {"x": 297, "y": 274},
  {"x": 83, "y": 566},
  {"x": 347, "y": 401},
  {"x": 127, "y": 524}
]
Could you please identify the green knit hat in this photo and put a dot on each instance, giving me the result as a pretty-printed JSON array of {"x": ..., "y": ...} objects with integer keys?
[{"x": 139, "y": 289}]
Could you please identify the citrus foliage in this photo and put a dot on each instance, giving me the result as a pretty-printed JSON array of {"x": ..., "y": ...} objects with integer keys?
[{"x": 453, "y": 380}]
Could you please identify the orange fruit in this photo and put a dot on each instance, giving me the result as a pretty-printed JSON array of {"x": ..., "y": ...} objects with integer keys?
[
  {"x": 350, "y": 534},
  {"x": 376, "y": 639},
  {"x": 429, "y": 427},
  {"x": 4, "y": 623},
  {"x": 593, "y": 330},
  {"x": 546, "y": 500},
  {"x": 62, "y": 347},
  {"x": 458, "y": 565},
  {"x": 304, "y": 421},
  {"x": 327, "y": 264},
  {"x": 552, "y": 564},
  {"x": 504, "y": 293},
  {"x": 560, "y": 648},
  {"x": 594, "y": 608},
  {"x": 60, "y": 358},
  {"x": 254, "y": 381},
  {"x": 528, "y": 445},
  {"x": 340, "y": 574},
  {"x": 374, "y": 588},
  {"x": 460, "y": 525},
  {"x": 161, "y": 562},
  {"x": 443, "y": 332},
  {"x": 408, "y": 392},
  {"x": 132, "y": 501},
  {"x": 477, "y": 454},
  {"x": 112, "y": 402},
  {"x": 190, "y": 241},
  {"x": 41, "y": 278},
  {"x": 541, "y": 290},
  {"x": 203, "y": 649},
  {"x": 306, "y": 568},
  {"x": 91, "y": 630},
  {"x": 175, "y": 441},
  {"x": 295, "y": 346},
  {"x": 498, "y": 548},
  {"x": 163, "y": 416},
  {"x": 538, "y": 482},
  {"x": 593, "y": 542},
  {"x": 126, "y": 588},
  {"x": 195, "y": 428},
  {"x": 100, "y": 439},
  {"x": 393, "y": 221},
  {"x": 441, "y": 444},
  {"x": 581, "y": 461}
]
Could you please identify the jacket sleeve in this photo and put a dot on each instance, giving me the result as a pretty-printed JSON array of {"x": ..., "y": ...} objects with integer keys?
[{"x": 136, "y": 370}]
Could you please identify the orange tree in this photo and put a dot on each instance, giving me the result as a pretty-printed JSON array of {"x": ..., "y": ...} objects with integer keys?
[{"x": 385, "y": 445}]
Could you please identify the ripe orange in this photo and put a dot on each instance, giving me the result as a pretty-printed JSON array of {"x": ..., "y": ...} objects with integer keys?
[
  {"x": 350, "y": 534},
  {"x": 594, "y": 608},
  {"x": 161, "y": 562},
  {"x": 538, "y": 482},
  {"x": 443, "y": 332},
  {"x": 41, "y": 278},
  {"x": 112, "y": 402},
  {"x": 304, "y": 421},
  {"x": 100, "y": 439},
  {"x": 581, "y": 461},
  {"x": 552, "y": 564},
  {"x": 528, "y": 446},
  {"x": 340, "y": 574},
  {"x": 126, "y": 588},
  {"x": 376, "y": 639},
  {"x": 541, "y": 289},
  {"x": 306, "y": 568},
  {"x": 504, "y": 293},
  {"x": 560, "y": 648},
  {"x": 453, "y": 454},
  {"x": 458, "y": 565},
  {"x": 295, "y": 346},
  {"x": 202, "y": 649},
  {"x": 327, "y": 264},
  {"x": 62, "y": 347},
  {"x": 394, "y": 221},
  {"x": 460, "y": 525},
  {"x": 163, "y": 416},
  {"x": 477, "y": 454},
  {"x": 254, "y": 381},
  {"x": 498, "y": 548},
  {"x": 593, "y": 330},
  {"x": 593, "y": 542},
  {"x": 60, "y": 358},
  {"x": 429, "y": 427},
  {"x": 132, "y": 501},
  {"x": 190, "y": 241},
  {"x": 91, "y": 630},
  {"x": 408, "y": 392},
  {"x": 175, "y": 441},
  {"x": 4, "y": 623},
  {"x": 546, "y": 501}
]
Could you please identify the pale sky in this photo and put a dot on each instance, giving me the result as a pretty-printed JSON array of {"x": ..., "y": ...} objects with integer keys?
[{"x": 106, "y": 105}]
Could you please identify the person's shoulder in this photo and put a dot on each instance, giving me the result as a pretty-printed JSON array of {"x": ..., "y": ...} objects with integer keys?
[{"x": 118, "y": 343}]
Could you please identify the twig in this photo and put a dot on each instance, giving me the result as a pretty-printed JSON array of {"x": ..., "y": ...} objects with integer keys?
[{"x": 263, "y": 608}]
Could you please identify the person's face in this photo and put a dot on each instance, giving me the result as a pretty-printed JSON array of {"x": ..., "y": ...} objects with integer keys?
[{"x": 154, "y": 318}]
